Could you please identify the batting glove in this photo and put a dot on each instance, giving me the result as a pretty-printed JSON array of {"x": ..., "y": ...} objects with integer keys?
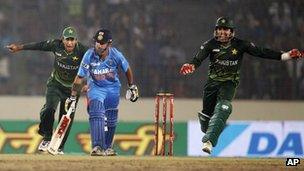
[
  {"x": 187, "y": 69},
  {"x": 68, "y": 102},
  {"x": 132, "y": 93}
]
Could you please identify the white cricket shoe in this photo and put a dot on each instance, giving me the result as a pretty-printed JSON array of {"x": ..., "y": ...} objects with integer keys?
[
  {"x": 43, "y": 146},
  {"x": 110, "y": 152},
  {"x": 98, "y": 151},
  {"x": 60, "y": 152},
  {"x": 207, "y": 147}
]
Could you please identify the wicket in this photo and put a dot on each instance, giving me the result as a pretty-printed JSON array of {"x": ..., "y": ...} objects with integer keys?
[{"x": 164, "y": 97}]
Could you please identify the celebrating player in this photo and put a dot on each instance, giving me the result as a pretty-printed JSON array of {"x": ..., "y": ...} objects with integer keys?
[
  {"x": 100, "y": 65},
  {"x": 225, "y": 53},
  {"x": 68, "y": 54}
]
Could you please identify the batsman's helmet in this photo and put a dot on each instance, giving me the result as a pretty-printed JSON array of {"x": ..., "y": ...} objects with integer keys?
[
  {"x": 103, "y": 36},
  {"x": 224, "y": 22}
]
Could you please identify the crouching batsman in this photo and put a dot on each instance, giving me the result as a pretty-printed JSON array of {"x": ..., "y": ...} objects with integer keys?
[
  {"x": 225, "y": 53},
  {"x": 100, "y": 68}
]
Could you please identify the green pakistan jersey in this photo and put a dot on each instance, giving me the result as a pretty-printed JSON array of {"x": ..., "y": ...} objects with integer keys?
[
  {"x": 65, "y": 64},
  {"x": 225, "y": 61}
]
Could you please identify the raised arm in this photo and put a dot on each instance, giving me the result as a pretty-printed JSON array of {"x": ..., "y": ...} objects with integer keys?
[{"x": 43, "y": 46}]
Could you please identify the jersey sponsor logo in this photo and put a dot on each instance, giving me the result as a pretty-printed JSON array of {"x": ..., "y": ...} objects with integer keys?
[
  {"x": 69, "y": 67},
  {"x": 226, "y": 62},
  {"x": 101, "y": 71},
  {"x": 58, "y": 54},
  {"x": 216, "y": 50},
  {"x": 103, "y": 74}
]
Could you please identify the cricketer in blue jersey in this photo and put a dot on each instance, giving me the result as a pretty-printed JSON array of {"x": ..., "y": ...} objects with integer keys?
[{"x": 100, "y": 66}]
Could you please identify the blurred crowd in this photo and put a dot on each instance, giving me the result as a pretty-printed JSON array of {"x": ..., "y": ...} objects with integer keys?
[{"x": 157, "y": 37}]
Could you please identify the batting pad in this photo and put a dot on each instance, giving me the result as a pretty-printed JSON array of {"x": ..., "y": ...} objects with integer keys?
[
  {"x": 97, "y": 123},
  {"x": 112, "y": 115}
]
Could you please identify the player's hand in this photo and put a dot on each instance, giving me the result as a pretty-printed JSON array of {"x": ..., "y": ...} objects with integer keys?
[
  {"x": 85, "y": 89},
  {"x": 14, "y": 47},
  {"x": 187, "y": 69},
  {"x": 68, "y": 102},
  {"x": 132, "y": 93}
]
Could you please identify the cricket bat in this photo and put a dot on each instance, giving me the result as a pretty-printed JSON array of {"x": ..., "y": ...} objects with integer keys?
[{"x": 60, "y": 131}]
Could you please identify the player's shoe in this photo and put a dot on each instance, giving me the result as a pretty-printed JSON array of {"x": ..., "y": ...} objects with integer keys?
[
  {"x": 207, "y": 147},
  {"x": 97, "y": 151},
  {"x": 43, "y": 145},
  {"x": 60, "y": 152},
  {"x": 110, "y": 152}
]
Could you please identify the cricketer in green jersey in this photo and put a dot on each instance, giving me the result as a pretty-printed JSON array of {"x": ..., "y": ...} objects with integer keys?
[
  {"x": 68, "y": 54},
  {"x": 225, "y": 53}
]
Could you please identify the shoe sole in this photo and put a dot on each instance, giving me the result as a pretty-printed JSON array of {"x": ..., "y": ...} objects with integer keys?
[
  {"x": 42, "y": 150},
  {"x": 206, "y": 150},
  {"x": 98, "y": 155}
]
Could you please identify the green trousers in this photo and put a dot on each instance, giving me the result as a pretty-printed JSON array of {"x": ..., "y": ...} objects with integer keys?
[
  {"x": 217, "y": 105},
  {"x": 55, "y": 94}
]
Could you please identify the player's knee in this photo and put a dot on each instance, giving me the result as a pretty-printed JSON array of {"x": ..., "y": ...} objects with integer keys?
[
  {"x": 96, "y": 108},
  {"x": 112, "y": 115},
  {"x": 224, "y": 106}
]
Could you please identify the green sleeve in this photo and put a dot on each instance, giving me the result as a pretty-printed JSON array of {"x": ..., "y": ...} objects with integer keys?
[
  {"x": 201, "y": 55},
  {"x": 261, "y": 52},
  {"x": 48, "y": 45}
]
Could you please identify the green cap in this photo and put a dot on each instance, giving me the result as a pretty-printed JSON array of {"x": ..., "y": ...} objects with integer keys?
[
  {"x": 69, "y": 32},
  {"x": 224, "y": 22}
]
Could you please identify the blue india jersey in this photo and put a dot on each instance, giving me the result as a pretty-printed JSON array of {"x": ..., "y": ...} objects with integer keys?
[{"x": 103, "y": 72}]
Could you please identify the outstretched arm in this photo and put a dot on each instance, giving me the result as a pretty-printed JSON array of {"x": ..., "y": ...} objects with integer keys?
[
  {"x": 43, "y": 46},
  {"x": 254, "y": 50}
]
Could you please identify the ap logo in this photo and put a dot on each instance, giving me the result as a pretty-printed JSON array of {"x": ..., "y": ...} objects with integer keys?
[{"x": 292, "y": 161}]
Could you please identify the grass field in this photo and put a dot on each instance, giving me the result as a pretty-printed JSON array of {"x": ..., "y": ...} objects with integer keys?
[{"x": 38, "y": 162}]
